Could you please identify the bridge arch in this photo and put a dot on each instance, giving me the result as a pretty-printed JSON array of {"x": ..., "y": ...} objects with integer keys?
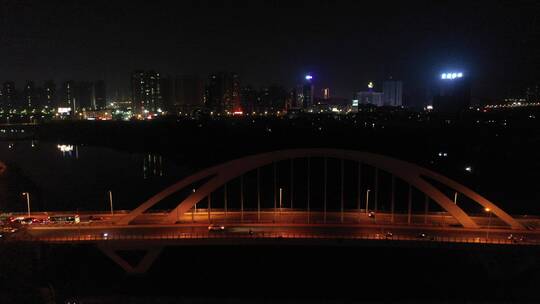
[{"x": 412, "y": 174}]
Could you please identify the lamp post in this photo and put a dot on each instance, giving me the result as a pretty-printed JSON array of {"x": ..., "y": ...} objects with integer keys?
[
  {"x": 193, "y": 211},
  {"x": 27, "y": 194},
  {"x": 111, "y": 202},
  {"x": 367, "y": 201},
  {"x": 280, "y": 199},
  {"x": 489, "y": 222}
]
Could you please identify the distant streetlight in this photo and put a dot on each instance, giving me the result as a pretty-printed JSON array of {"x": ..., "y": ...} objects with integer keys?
[
  {"x": 468, "y": 169},
  {"x": 367, "y": 201},
  {"x": 27, "y": 201},
  {"x": 489, "y": 221}
]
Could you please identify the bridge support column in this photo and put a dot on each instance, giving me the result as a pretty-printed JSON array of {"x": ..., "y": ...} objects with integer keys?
[
  {"x": 393, "y": 199},
  {"x": 342, "y": 189},
  {"x": 325, "y": 181},
  {"x": 426, "y": 208},
  {"x": 209, "y": 209},
  {"x": 225, "y": 200},
  {"x": 152, "y": 253},
  {"x": 376, "y": 192},
  {"x": 242, "y": 198},
  {"x": 308, "y": 188},
  {"x": 258, "y": 194},
  {"x": 275, "y": 191},
  {"x": 292, "y": 183},
  {"x": 359, "y": 188},
  {"x": 409, "y": 205}
]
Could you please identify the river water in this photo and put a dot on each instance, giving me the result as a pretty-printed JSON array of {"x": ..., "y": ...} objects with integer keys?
[{"x": 63, "y": 176}]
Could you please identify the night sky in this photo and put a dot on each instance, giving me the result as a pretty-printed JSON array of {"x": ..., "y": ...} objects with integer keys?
[{"x": 343, "y": 44}]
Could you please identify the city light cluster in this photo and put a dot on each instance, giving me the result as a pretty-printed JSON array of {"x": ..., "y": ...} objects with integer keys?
[{"x": 451, "y": 75}]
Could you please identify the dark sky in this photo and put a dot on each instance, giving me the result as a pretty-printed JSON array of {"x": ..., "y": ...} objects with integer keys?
[{"x": 344, "y": 44}]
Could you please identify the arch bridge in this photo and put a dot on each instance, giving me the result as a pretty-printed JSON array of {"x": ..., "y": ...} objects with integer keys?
[{"x": 415, "y": 176}]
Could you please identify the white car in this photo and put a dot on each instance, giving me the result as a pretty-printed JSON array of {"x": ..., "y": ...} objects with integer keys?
[{"x": 216, "y": 227}]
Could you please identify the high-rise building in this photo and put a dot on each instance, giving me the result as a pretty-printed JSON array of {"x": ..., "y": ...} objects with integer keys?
[
  {"x": 9, "y": 95},
  {"x": 223, "y": 92},
  {"x": 232, "y": 94},
  {"x": 167, "y": 92},
  {"x": 370, "y": 96},
  {"x": 189, "y": 93},
  {"x": 69, "y": 95},
  {"x": 99, "y": 95},
  {"x": 308, "y": 90},
  {"x": 146, "y": 91},
  {"x": 292, "y": 100},
  {"x": 84, "y": 96},
  {"x": 29, "y": 96},
  {"x": 532, "y": 94},
  {"x": 214, "y": 92},
  {"x": 326, "y": 93},
  {"x": 453, "y": 93},
  {"x": 273, "y": 98},
  {"x": 249, "y": 99},
  {"x": 392, "y": 93},
  {"x": 49, "y": 94}
]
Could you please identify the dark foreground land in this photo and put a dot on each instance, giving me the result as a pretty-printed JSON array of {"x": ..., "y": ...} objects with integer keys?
[{"x": 268, "y": 274}]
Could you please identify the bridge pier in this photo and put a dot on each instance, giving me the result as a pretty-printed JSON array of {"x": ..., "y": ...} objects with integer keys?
[{"x": 151, "y": 254}]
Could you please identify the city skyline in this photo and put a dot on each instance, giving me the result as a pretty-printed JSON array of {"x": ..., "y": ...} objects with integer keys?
[
  {"x": 153, "y": 151},
  {"x": 271, "y": 43}
]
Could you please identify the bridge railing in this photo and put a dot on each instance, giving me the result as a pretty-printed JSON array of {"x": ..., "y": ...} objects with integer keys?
[{"x": 267, "y": 235}]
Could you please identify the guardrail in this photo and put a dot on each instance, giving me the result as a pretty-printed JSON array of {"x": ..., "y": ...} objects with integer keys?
[{"x": 298, "y": 236}]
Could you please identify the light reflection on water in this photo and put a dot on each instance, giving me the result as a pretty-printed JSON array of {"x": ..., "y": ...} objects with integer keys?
[{"x": 65, "y": 176}]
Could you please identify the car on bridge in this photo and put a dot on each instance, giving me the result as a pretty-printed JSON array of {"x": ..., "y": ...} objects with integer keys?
[
  {"x": 216, "y": 227},
  {"x": 515, "y": 238},
  {"x": 425, "y": 236},
  {"x": 95, "y": 218},
  {"x": 5, "y": 231},
  {"x": 26, "y": 220}
]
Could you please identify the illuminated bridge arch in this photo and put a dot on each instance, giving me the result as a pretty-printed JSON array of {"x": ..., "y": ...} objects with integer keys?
[{"x": 412, "y": 174}]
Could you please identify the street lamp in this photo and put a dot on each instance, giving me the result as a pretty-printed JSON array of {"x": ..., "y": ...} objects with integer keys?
[
  {"x": 489, "y": 221},
  {"x": 111, "y": 202},
  {"x": 367, "y": 200},
  {"x": 280, "y": 198},
  {"x": 27, "y": 201}
]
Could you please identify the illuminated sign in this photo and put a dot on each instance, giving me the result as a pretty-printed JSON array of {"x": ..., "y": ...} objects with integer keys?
[
  {"x": 309, "y": 77},
  {"x": 65, "y": 148},
  {"x": 355, "y": 103},
  {"x": 64, "y": 110},
  {"x": 450, "y": 76}
]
